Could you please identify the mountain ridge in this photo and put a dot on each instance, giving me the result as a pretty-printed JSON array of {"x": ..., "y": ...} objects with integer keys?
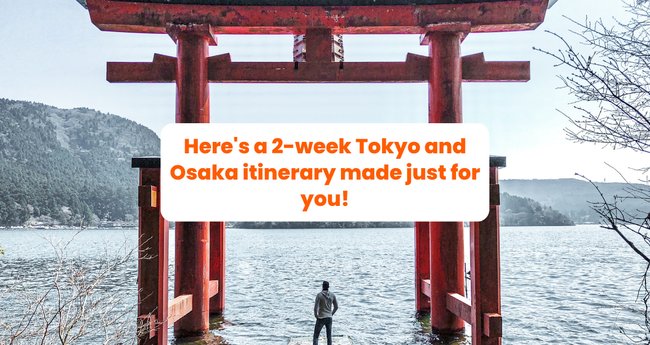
[
  {"x": 572, "y": 196},
  {"x": 72, "y": 167}
]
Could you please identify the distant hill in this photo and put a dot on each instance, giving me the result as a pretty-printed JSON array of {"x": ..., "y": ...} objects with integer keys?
[
  {"x": 518, "y": 211},
  {"x": 68, "y": 166},
  {"x": 572, "y": 196},
  {"x": 514, "y": 211}
]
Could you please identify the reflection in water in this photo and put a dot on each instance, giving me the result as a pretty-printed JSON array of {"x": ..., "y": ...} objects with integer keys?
[
  {"x": 207, "y": 339},
  {"x": 425, "y": 336},
  {"x": 559, "y": 285}
]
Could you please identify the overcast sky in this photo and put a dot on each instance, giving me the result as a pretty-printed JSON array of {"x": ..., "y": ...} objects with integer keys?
[{"x": 51, "y": 53}]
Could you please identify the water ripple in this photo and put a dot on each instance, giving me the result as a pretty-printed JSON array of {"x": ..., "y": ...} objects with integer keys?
[{"x": 572, "y": 285}]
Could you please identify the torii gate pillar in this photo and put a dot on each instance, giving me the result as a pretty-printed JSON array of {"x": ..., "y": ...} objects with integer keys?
[
  {"x": 196, "y": 241},
  {"x": 445, "y": 239}
]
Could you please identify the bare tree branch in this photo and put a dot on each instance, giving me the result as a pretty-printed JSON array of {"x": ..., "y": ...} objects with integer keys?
[
  {"x": 73, "y": 309},
  {"x": 608, "y": 76}
]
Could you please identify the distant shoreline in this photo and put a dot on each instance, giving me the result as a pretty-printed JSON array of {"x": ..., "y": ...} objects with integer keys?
[
  {"x": 135, "y": 227},
  {"x": 66, "y": 227}
]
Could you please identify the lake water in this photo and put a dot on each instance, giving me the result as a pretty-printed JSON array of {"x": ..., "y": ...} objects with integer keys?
[{"x": 563, "y": 285}]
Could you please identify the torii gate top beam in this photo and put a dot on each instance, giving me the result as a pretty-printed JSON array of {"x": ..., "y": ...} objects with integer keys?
[{"x": 295, "y": 16}]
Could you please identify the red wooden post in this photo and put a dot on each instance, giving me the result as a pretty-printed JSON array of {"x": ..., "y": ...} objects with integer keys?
[
  {"x": 192, "y": 90},
  {"x": 218, "y": 265},
  {"x": 319, "y": 45},
  {"x": 446, "y": 239},
  {"x": 485, "y": 269},
  {"x": 153, "y": 244},
  {"x": 192, "y": 238},
  {"x": 422, "y": 270}
]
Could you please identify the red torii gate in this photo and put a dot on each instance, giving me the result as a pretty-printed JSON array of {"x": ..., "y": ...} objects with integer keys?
[{"x": 200, "y": 246}]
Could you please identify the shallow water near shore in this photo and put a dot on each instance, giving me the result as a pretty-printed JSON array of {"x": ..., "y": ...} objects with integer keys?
[{"x": 565, "y": 285}]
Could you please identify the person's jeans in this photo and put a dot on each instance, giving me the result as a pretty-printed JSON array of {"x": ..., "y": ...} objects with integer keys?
[{"x": 327, "y": 322}]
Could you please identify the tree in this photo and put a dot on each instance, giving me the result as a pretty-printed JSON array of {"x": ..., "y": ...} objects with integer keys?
[
  {"x": 72, "y": 308},
  {"x": 611, "y": 87}
]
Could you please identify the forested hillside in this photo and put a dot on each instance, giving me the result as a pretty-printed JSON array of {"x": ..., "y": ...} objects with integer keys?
[
  {"x": 518, "y": 211},
  {"x": 68, "y": 166}
]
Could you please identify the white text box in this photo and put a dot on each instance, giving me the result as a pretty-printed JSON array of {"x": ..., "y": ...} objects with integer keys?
[{"x": 324, "y": 172}]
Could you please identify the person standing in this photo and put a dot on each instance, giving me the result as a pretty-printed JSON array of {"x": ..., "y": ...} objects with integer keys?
[{"x": 324, "y": 308}]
